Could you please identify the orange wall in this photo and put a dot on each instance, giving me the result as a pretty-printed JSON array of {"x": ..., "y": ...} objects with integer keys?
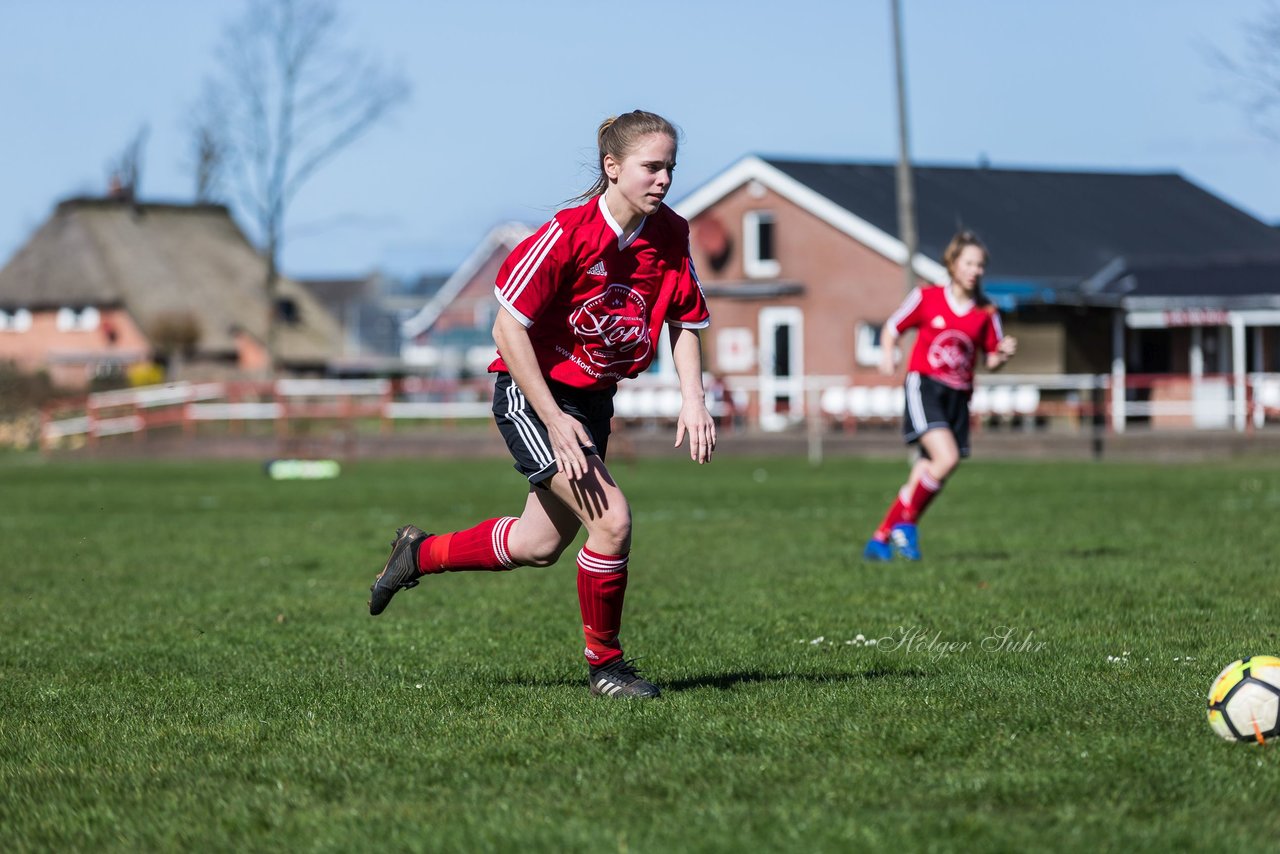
[
  {"x": 71, "y": 356},
  {"x": 251, "y": 354}
]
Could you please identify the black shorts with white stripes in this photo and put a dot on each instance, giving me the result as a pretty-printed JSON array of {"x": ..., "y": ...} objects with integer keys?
[
  {"x": 930, "y": 405},
  {"x": 526, "y": 435}
]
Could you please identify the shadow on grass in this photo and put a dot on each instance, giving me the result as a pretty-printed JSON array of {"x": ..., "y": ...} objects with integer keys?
[
  {"x": 1096, "y": 552},
  {"x": 730, "y": 681},
  {"x": 963, "y": 555},
  {"x": 1072, "y": 554}
]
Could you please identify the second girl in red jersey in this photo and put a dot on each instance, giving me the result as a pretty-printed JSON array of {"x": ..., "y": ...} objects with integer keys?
[
  {"x": 583, "y": 301},
  {"x": 953, "y": 322}
]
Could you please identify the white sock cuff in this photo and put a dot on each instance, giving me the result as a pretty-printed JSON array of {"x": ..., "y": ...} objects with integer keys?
[
  {"x": 592, "y": 562},
  {"x": 501, "y": 532}
]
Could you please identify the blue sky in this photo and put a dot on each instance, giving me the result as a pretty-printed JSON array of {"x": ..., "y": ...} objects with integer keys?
[{"x": 507, "y": 95}]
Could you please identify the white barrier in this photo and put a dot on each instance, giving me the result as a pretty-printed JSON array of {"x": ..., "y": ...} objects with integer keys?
[
  {"x": 332, "y": 388},
  {"x": 159, "y": 395},
  {"x": 131, "y": 410},
  {"x": 233, "y": 411},
  {"x": 883, "y": 401},
  {"x": 446, "y": 411},
  {"x": 1267, "y": 392}
]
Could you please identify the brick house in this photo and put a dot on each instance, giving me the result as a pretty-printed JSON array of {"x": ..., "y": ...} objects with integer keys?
[
  {"x": 105, "y": 284},
  {"x": 801, "y": 263},
  {"x": 452, "y": 333}
]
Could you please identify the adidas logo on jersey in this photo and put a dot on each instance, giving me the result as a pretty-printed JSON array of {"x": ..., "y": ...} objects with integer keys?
[
  {"x": 597, "y": 269},
  {"x": 938, "y": 322}
]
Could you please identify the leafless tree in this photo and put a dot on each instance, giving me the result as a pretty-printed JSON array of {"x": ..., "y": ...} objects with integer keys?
[
  {"x": 288, "y": 97},
  {"x": 1256, "y": 74},
  {"x": 208, "y": 155}
]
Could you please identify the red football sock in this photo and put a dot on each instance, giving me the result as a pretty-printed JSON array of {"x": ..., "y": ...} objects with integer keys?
[
  {"x": 926, "y": 490},
  {"x": 602, "y": 585},
  {"x": 897, "y": 515},
  {"x": 483, "y": 547}
]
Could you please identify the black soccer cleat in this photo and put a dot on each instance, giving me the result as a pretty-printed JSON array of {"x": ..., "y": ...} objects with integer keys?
[
  {"x": 619, "y": 678},
  {"x": 401, "y": 571}
]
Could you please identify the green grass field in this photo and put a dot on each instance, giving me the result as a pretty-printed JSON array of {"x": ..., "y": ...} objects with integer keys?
[{"x": 187, "y": 664}]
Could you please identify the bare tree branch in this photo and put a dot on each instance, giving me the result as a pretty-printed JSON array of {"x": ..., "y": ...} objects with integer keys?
[
  {"x": 208, "y": 155},
  {"x": 1256, "y": 74},
  {"x": 292, "y": 98}
]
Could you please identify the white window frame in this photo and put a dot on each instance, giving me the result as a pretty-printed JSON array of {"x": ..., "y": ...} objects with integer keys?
[
  {"x": 18, "y": 320},
  {"x": 867, "y": 349},
  {"x": 773, "y": 387},
  {"x": 77, "y": 320},
  {"x": 752, "y": 264}
]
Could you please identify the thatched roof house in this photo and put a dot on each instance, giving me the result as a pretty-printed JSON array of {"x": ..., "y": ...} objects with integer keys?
[{"x": 106, "y": 283}]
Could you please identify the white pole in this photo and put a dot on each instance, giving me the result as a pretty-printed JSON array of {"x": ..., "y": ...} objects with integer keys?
[
  {"x": 814, "y": 425},
  {"x": 1117, "y": 372},
  {"x": 1196, "y": 355},
  {"x": 1195, "y": 360},
  {"x": 1259, "y": 365},
  {"x": 1237, "y": 367}
]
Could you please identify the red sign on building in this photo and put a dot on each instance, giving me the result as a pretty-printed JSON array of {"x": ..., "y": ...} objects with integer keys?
[{"x": 1197, "y": 317}]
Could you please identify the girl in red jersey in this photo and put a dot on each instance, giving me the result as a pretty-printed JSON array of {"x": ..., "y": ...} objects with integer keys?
[
  {"x": 955, "y": 321},
  {"x": 583, "y": 302}
]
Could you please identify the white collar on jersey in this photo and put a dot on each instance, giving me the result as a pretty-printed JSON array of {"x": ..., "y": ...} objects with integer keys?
[
  {"x": 959, "y": 309},
  {"x": 623, "y": 243}
]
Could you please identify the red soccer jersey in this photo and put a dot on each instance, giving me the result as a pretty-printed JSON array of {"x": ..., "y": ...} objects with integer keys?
[
  {"x": 950, "y": 335},
  {"x": 593, "y": 304}
]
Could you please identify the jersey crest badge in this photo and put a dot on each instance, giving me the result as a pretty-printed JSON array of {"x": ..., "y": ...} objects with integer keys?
[{"x": 613, "y": 327}]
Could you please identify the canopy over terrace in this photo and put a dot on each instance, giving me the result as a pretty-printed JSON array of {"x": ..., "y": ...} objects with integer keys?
[{"x": 1209, "y": 296}]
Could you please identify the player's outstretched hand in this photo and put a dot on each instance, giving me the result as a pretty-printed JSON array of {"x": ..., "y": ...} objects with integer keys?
[{"x": 701, "y": 427}]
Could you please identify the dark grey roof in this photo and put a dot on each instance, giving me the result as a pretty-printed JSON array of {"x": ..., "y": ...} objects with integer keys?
[
  {"x": 1052, "y": 228},
  {"x": 1225, "y": 277}
]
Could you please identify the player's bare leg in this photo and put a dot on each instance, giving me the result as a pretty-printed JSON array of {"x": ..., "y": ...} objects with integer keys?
[
  {"x": 536, "y": 538},
  {"x": 545, "y": 529},
  {"x": 944, "y": 454},
  {"x": 599, "y": 504},
  {"x": 930, "y": 472}
]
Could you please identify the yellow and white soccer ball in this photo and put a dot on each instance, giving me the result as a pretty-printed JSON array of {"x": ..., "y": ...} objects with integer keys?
[{"x": 1244, "y": 701}]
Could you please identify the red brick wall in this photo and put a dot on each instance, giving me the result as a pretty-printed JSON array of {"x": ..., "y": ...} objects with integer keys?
[
  {"x": 844, "y": 282},
  {"x": 476, "y": 299}
]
